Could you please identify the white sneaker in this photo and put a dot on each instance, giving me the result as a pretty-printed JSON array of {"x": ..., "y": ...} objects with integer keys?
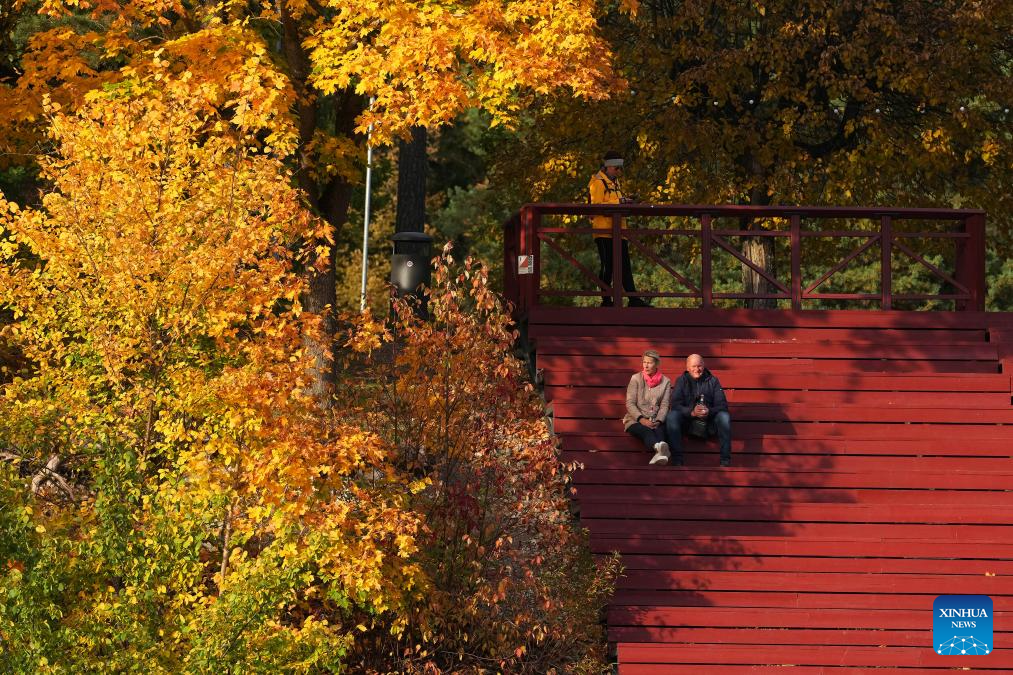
[{"x": 661, "y": 454}]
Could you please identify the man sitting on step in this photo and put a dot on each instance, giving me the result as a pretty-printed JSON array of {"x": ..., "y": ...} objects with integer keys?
[{"x": 698, "y": 407}]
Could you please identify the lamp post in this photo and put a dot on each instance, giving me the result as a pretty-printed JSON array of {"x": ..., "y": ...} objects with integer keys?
[{"x": 365, "y": 213}]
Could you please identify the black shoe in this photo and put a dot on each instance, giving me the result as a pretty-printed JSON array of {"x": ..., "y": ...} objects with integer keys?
[
  {"x": 606, "y": 302},
  {"x": 677, "y": 461},
  {"x": 639, "y": 302},
  {"x": 726, "y": 461}
]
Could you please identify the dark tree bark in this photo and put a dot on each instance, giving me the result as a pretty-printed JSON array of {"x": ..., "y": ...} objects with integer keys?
[
  {"x": 332, "y": 200},
  {"x": 411, "y": 183},
  {"x": 759, "y": 250}
]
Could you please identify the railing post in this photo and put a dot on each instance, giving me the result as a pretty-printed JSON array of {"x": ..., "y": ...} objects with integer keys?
[
  {"x": 886, "y": 264},
  {"x": 796, "y": 262},
  {"x": 511, "y": 249},
  {"x": 617, "y": 251},
  {"x": 971, "y": 263},
  {"x": 536, "y": 257},
  {"x": 705, "y": 260},
  {"x": 528, "y": 283}
]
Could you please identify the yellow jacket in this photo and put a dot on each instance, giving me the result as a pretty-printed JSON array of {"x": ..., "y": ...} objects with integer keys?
[{"x": 604, "y": 190}]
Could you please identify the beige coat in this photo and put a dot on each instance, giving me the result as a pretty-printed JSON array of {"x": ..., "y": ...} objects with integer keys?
[{"x": 642, "y": 401}]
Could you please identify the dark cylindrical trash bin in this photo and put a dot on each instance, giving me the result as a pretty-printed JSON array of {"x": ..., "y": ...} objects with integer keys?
[{"x": 409, "y": 265}]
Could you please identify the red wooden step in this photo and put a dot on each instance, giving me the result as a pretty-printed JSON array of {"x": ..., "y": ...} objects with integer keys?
[
  {"x": 772, "y": 599},
  {"x": 994, "y": 446},
  {"x": 851, "y": 531},
  {"x": 676, "y": 352},
  {"x": 718, "y": 364},
  {"x": 704, "y": 544},
  {"x": 798, "y": 379},
  {"x": 617, "y": 397},
  {"x": 733, "y": 476},
  {"x": 719, "y": 333},
  {"x": 758, "y": 636},
  {"x": 687, "y": 496},
  {"x": 797, "y": 462},
  {"x": 812, "y": 429},
  {"x": 792, "y": 669},
  {"x": 763, "y": 617},
  {"x": 791, "y": 412},
  {"x": 873, "y": 462},
  {"x": 817, "y": 564},
  {"x": 994, "y": 514},
  {"x": 810, "y": 582},
  {"x": 654, "y": 316},
  {"x": 806, "y": 655}
]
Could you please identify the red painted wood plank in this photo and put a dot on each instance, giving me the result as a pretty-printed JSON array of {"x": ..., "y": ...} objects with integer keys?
[
  {"x": 676, "y": 352},
  {"x": 791, "y": 412},
  {"x": 755, "y": 599},
  {"x": 778, "y": 599},
  {"x": 703, "y": 544},
  {"x": 712, "y": 669},
  {"x": 689, "y": 496},
  {"x": 759, "y": 563},
  {"x": 619, "y": 442},
  {"x": 718, "y": 364},
  {"x": 811, "y": 429},
  {"x": 799, "y": 379},
  {"x": 807, "y": 582},
  {"x": 837, "y": 531},
  {"x": 994, "y": 514},
  {"x": 828, "y": 655},
  {"x": 726, "y": 332},
  {"x": 657, "y": 316},
  {"x": 703, "y": 598},
  {"x": 747, "y": 617},
  {"x": 869, "y": 637},
  {"x": 692, "y": 669},
  {"x": 732, "y": 476},
  {"x": 1000, "y": 319},
  {"x": 632, "y": 460},
  {"x": 616, "y": 396}
]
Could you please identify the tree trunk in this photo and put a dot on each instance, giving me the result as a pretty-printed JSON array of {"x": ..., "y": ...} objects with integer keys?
[
  {"x": 331, "y": 202},
  {"x": 411, "y": 183},
  {"x": 758, "y": 250}
]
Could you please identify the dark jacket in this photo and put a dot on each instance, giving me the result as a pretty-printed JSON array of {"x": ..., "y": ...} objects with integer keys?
[{"x": 687, "y": 390}]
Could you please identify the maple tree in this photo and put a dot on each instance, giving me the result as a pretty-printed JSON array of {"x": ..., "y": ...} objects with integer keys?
[{"x": 193, "y": 507}]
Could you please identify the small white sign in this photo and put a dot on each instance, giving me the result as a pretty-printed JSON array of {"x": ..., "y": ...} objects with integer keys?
[{"x": 525, "y": 264}]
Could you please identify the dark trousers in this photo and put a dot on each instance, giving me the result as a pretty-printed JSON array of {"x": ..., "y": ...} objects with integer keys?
[
  {"x": 720, "y": 424},
  {"x": 605, "y": 269},
  {"x": 647, "y": 435}
]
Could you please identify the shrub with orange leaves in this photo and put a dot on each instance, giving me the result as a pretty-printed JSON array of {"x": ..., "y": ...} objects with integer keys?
[{"x": 512, "y": 586}]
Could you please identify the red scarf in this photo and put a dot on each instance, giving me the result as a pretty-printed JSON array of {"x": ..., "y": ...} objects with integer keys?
[{"x": 652, "y": 380}]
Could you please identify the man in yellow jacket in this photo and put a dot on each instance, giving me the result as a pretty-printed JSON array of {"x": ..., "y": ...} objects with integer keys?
[{"x": 604, "y": 189}]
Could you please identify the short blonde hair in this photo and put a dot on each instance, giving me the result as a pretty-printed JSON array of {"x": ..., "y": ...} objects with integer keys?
[{"x": 653, "y": 354}]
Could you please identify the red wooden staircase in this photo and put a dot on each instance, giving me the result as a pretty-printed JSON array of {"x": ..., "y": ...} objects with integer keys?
[{"x": 871, "y": 473}]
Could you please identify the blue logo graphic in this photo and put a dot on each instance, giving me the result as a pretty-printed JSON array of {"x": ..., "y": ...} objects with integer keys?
[{"x": 962, "y": 625}]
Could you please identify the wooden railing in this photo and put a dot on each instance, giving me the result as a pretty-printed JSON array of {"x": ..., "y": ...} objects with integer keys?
[{"x": 526, "y": 234}]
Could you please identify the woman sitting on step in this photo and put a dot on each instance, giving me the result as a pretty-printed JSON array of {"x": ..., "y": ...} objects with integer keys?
[{"x": 647, "y": 398}]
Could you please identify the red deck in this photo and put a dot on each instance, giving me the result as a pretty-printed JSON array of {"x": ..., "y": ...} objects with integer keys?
[{"x": 871, "y": 472}]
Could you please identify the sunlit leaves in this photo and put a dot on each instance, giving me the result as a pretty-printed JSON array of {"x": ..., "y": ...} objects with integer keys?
[
  {"x": 157, "y": 296},
  {"x": 426, "y": 62}
]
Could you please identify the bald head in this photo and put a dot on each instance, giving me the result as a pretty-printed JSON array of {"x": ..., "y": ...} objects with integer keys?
[{"x": 694, "y": 366}]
